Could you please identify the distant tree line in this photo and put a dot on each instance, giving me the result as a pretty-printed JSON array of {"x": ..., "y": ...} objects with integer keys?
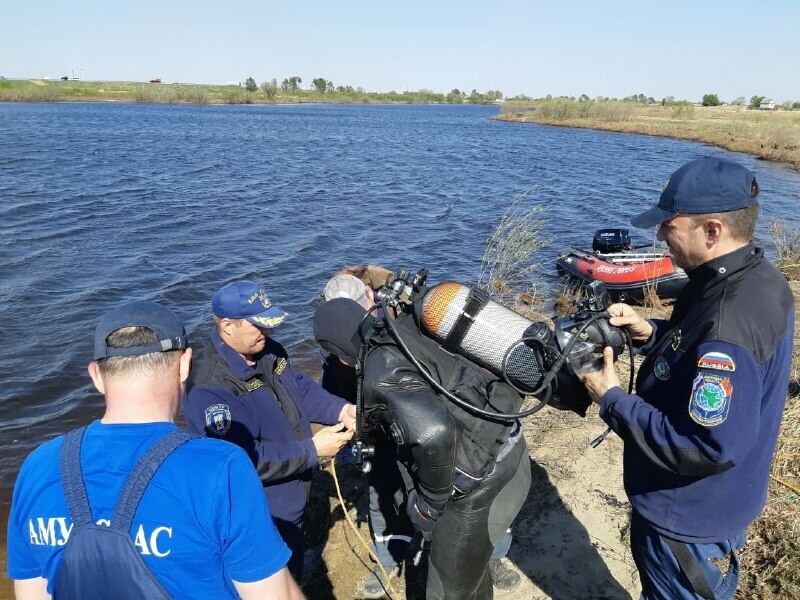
[
  {"x": 320, "y": 85},
  {"x": 670, "y": 101}
]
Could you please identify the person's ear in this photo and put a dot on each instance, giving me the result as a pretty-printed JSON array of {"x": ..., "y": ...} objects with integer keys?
[
  {"x": 226, "y": 326},
  {"x": 185, "y": 364},
  {"x": 713, "y": 230},
  {"x": 370, "y": 294},
  {"x": 97, "y": 377}
]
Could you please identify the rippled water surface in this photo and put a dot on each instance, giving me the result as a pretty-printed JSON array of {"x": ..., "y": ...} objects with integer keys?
[{"x": 105, "y": 203}]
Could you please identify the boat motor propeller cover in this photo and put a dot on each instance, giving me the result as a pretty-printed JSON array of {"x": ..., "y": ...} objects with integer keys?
[{"x": 611, "y": 240}]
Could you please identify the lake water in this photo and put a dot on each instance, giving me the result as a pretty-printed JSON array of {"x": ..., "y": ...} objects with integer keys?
[{"x": 106, "y": 203}]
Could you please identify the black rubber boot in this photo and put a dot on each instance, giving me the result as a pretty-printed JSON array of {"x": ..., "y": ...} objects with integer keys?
[
  {"x": 502, "y": 577},
  {"x": 375, "y": 585}
]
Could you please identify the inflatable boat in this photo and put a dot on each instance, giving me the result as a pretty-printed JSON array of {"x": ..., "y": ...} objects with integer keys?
[{"x": 628, "y": 272}]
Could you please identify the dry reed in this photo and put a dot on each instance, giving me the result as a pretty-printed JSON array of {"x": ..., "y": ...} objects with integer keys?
[{"x": 510, "y": 259}]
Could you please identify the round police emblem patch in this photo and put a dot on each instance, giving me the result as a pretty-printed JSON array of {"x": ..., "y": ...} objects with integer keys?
[
  {"x": 711, "y": 399},
  {"x": 661, "y": 368},
  {"x": 218, "y": 419}
]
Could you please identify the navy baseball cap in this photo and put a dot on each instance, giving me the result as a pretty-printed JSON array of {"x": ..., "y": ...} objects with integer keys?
[
  {"x": 247, "y": 300},
  {"x": 702, "y": 186},
  {"x": 161, "y": 321}
]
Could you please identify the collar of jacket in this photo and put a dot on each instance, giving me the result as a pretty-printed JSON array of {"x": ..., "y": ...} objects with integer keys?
[
  {"x": 710, "y": 275},
  {"x": 233, "y": 359}
]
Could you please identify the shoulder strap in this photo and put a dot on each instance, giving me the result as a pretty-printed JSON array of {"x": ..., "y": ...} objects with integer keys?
[
  {"x": 691, "y": 569},
  {"x": 72, "y": 477},
  {"x": 476, "y": 300},
  {"x": 142, "y": 474}
]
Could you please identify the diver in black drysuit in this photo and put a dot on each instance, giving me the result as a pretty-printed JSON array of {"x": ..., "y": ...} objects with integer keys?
[{"x": 467, "y": 477}]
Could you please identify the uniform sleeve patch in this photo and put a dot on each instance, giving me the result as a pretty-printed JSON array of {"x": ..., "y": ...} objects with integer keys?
[
  {"x": 661, "y": 368},
  {"x": 718, "y": 361},
  {"x": 218, "y": 419},
  {"x": 711, "y": 399},
  {"x": 280, "y": 365}
]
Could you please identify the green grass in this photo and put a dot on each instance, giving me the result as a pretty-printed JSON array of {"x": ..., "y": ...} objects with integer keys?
[{"x": 23, "y": 90}]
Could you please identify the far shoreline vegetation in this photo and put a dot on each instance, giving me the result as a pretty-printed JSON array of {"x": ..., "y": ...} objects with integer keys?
[
  {"x": 289, "y": 91},
  {"x": 772, "y": 135}
]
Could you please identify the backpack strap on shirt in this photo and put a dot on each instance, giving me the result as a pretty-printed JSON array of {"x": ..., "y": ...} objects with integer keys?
[
  {"x": 142, "y": 474},
  {"x": 72, "y": 477}
]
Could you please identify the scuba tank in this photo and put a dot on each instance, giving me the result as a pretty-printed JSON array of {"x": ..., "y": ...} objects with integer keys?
[{"x": 465, "y": 321}]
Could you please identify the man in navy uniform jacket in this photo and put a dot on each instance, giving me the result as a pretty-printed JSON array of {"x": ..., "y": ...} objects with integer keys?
[
  {"x": 700, "y": 432},
  {"x": 243, "y": 390}
]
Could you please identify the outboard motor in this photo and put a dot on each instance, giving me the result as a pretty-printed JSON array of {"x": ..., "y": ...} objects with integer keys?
[{"x": 611, "y": 240}]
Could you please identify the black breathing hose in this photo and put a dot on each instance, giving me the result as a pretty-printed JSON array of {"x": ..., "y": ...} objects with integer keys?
[
  {"x": 560, "y": 359},
  {"x": 492, "y": 416}
]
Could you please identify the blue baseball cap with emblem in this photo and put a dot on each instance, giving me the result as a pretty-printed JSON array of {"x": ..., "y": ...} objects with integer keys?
[
  {"x": 160, "y": 320},
  {"x": 247, "y": 300},
  {"x": 702, "y": 186}
]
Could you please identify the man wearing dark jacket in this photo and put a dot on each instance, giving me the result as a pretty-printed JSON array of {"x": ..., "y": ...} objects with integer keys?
[
  {"x": 243, "y": 390},
  {"x": 700, "y": 432},
  {"x": 467, "y": 477}
]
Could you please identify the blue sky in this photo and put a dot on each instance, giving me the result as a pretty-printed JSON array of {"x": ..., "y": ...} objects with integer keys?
[{"x": 682, "y": 49}]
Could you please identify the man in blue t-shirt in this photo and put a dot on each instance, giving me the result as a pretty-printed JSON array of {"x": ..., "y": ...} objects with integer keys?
[{"x": 202, "y": 528}]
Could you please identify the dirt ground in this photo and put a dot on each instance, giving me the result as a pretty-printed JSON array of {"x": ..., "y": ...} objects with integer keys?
[{"x": 570, "y": 539}]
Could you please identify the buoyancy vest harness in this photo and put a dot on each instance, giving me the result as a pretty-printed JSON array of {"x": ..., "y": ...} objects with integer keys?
[{"x": 481, "y": 440}]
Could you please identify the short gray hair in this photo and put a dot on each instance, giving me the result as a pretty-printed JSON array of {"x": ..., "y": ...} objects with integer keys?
[
  {"x": 740, "y": 223},
  {"x": 152, "y": 364}
]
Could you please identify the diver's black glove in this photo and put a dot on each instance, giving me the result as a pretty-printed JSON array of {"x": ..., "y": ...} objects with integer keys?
[
  {"x": 423, "y": 516},
  {"x": 570, "y": 394}
]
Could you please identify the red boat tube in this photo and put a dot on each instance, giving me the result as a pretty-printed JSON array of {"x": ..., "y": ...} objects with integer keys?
[{"x": 626, "y": 274}]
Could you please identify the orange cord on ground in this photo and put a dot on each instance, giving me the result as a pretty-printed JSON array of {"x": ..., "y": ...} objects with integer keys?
[{"x": 388, "y": 579}]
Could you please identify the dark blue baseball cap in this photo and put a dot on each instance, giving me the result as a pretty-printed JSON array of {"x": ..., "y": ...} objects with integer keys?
[
  {"x": 247, "y": 300},
  {"x": 161, "y": 321},
  {"x": 702, "y": 186}
]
